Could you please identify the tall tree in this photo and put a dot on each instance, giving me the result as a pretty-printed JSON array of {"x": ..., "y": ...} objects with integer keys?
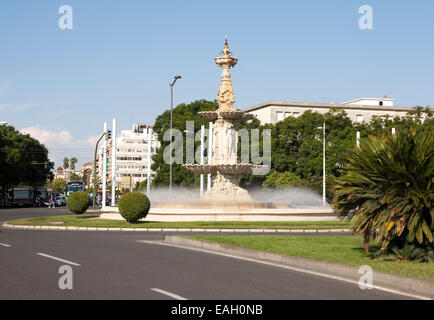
[
  {"x": 23, "y": 160},
  {"x": 72, "y": 163},
  {"x": 65, "y": 163},
  {"x": 181, "y": 114}
]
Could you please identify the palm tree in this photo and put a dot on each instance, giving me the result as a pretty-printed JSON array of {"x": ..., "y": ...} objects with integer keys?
[
  {"x": 72, "y": 162},
  {"x": 65, "y": 163},
  {"x": 387, "y": 188}
]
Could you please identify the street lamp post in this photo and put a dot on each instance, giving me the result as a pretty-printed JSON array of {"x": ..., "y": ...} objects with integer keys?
[
  {"x": 171, "y": 114},
  {"x": 323, "y": 166}
]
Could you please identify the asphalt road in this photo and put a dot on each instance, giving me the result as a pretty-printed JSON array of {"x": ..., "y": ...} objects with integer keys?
[
  {"x": 19, "y": 213},
  {"x": 114, "y": 265}
]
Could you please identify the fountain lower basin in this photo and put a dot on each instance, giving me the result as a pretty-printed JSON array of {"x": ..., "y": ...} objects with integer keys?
[{"x": 190, "y": 211}]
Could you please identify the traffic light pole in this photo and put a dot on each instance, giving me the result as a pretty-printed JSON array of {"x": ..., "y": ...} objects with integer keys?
[
  {"x": 94, "y": 170},
  {"x": 104, "y": 168}
]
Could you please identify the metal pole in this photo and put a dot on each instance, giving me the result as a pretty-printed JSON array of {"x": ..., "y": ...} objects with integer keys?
[
  {"x": 104, "y": 168},
  {"x": 94, "y": 172},
  {"x": 114, "y": 163},
  {"x": 202, "y": 135},
  {"x": 209, "y": 154},
  {"x": 358, "y": 138},
  {"x": 323, "y": 169},
  {"x": 171, "y": 117},
  {"x": 171, "y": 114},
  {"x": 148, "y": 185}
]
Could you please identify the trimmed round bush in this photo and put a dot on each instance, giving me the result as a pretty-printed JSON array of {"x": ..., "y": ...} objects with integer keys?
[
  {"x": 134, "y": 206},
  {"x": 78, "y": 202}
]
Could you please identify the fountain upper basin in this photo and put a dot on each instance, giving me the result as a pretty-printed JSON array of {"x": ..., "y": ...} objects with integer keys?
[{"x": 229, "y": 169}]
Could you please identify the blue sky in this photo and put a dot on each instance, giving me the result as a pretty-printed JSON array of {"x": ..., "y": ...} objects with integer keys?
[{"x": 117, "y": 61}]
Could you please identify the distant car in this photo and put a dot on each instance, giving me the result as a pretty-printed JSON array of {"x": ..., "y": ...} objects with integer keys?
[{"x": 60, "y": 201}]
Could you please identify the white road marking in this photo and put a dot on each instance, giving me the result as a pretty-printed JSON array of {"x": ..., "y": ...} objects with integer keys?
[
  {"x": 5, "y": 245},
  {"x": 291, "y": 268},
  {"x": 169, "y": 294},
  {"x": 58, "y": 259}
]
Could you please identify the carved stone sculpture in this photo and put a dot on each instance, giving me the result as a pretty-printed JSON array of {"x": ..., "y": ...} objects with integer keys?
[{"x": 225, "y": 170}]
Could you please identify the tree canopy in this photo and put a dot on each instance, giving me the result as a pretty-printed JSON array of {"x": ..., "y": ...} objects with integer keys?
[
  {"x": 296, "y": 144},
  {"x": 181, "y": 114},
  {"x": 23, "y": 160}
]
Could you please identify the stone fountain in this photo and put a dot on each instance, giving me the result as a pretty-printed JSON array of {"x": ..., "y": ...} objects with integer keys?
[
  {"x": 226, "y": 200},
  {"x": 225, "y": 170}
]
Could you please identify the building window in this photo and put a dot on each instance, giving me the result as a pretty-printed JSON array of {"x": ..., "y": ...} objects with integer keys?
[
  {"x": 296, "y": 114},
  {"x": 287, "y": 114},
  {"x": 279, "y": 116},
  {"x": 359, "y": 118},
  {"x": 381, "y": 103}
]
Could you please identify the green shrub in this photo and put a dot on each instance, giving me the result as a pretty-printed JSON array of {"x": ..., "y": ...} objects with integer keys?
[
  {"x": 387, "y": 188},
  {"x": 134, "y": 206},
  {"x": 281, "y": 180},
  {"x": 78, "y": 202}
]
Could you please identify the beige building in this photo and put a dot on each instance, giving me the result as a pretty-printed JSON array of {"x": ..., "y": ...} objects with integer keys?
[
  {"x": 65, "y": 174},
  {"x": 131, "y": 156},
  {"x": 86, "y": 173},
  {"x": 359, "y": 110}
]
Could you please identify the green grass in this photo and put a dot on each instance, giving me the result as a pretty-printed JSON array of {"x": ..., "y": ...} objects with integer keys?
[
  {"x": 347, "y": 250},
  {"x": 87, "y": 221}
]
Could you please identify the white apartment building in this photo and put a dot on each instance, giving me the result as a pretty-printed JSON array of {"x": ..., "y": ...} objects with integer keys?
[
  {"x": 131, "y": 156},
  {"x": 358, "y": 110}
]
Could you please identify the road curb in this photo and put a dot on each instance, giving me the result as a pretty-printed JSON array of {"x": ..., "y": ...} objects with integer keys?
[
  {"x": 182, "y": 230},
  {"x": 407, "y": 285}
]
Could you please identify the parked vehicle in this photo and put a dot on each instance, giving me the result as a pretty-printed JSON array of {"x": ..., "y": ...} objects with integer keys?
[
  {"x": 74, "y": 186},
  {"x": 23, "y": 196},
  {"x": 41, "y": 197},
  {"x": 60, "y": 201}
]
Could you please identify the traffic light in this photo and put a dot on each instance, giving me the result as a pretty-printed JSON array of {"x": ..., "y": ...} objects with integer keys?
[{"x": 108, "y": 134}]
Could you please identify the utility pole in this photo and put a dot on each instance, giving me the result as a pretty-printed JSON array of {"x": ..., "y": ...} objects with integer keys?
[
  {"x": 171, "y": 121},
  {"x": 113, "y": 203}
]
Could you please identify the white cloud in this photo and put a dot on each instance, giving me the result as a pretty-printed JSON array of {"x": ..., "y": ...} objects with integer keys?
[
  {"x": 48, "y": 137},
  {"x": 17, "y": 107},
  {"x": 62, "y": 144},
  {"x": 92, "y": 140}
]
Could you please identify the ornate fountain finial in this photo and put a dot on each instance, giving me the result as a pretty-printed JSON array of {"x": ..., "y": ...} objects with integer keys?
[{"x": 226, "y": 95}]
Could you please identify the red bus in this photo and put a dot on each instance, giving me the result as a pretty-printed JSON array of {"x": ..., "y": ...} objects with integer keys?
[{"x": 23, "y": 196}]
